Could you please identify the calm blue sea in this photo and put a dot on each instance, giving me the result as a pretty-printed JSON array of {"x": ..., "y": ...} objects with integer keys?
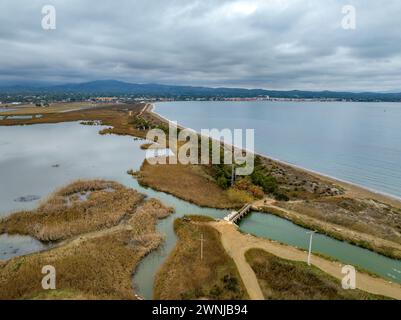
[{"x": 356, "y": 142}]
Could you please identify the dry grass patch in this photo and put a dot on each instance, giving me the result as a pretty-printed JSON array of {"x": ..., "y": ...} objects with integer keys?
[
  {"x": 282, "y": 279},
  {"x": 187, "y": 182},
  {"x": 119, "y": 117},
  {"x": 81, "y": 207},
  {"x": 53, "y": 108},
  {"x": 98, "y": 265},
  {"x": 185, "y": 276},
  {"x": 337, "y": 229},
  {"x": 146, "y": 146},
  {"x": 366, "y": 216}
]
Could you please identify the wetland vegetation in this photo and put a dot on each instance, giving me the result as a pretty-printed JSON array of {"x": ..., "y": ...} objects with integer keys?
[
  {"x": 111, "y": 218},
  {"x": 305, "y": 282},
  {"x": 188, "y": 275},
  {"x": 96, "y": 261}
]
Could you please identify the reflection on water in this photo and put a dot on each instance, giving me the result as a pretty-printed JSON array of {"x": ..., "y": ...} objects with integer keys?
[
  {"x": 14, "y": 246},
  {"x": 36, "y": 160}
]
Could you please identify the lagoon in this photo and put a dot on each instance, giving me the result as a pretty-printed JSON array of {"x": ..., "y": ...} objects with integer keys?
[{"x": 37, "y": 159}]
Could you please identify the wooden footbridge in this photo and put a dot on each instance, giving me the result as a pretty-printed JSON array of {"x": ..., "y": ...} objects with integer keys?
[{"x": 236, "y": 216}]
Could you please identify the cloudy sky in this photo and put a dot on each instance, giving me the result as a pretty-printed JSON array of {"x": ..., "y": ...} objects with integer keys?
[{"x": 277, "y": 44}]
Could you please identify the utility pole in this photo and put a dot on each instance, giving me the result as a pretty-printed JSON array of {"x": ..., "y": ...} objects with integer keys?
[
  {"x": 201, "y": 241},
  {"x": 232, "y": 174},
  {"x": 310, "y": 246}
]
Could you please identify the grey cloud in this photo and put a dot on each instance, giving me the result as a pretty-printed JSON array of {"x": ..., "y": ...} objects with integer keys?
[{"x": 278, "y": 44}]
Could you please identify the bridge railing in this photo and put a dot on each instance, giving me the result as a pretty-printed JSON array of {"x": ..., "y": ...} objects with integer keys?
[{"x": 235, "y": 215}]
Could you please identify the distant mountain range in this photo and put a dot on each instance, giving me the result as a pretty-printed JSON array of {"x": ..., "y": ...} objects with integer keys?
[{"x": 113, "y": 87}]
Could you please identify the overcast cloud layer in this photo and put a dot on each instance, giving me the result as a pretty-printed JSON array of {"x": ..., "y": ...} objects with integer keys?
[{"x": 276, "y": 44}]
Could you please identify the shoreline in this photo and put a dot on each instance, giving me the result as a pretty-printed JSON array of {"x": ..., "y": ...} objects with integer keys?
[
  {"x": 96, "y": 248},
  {"x": 146, "y": 106},
  {"x": 237, "y": 244},
  {"x": 360, "y": 189}
]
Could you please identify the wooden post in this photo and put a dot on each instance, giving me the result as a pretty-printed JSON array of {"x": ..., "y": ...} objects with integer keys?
[
  {"x": 310, "y": 246},
  {"x": 201, "y": 240}
]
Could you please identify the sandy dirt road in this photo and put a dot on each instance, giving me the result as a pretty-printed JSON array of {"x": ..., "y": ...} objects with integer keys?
[
  {"x": 265, "y": 204},
  {"x": 236, "y": 244}
]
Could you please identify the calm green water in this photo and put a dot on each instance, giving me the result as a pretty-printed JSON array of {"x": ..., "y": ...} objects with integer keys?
[
  {"x": 145, "y": 273},
  {"x": 272, "y": 227},
  {"x": 27, "y": 168}
]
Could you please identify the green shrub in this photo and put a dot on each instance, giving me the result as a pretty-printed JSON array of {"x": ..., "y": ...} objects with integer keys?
[
  {"x": 281, "y": 197},
  {"x": 223, "y": 182},
  {"x": 239, "y": 196},
  {"x": 268, "y": 183}
]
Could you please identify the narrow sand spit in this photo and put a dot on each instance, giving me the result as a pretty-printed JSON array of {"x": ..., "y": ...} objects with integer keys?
[{"x": 236, "y": 244}]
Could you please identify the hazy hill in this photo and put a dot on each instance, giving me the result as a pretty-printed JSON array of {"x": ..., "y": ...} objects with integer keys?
[{"x": 105, "y": 87}]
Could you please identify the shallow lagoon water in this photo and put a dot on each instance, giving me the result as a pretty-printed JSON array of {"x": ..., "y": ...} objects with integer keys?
[
  {"x": 41, "y": 158},
  {"x": 6, "y": 109},
  {"x": 16, "y": 245},
  {"x": 23, "y": 117},
  {"x": 36, "y": 160}
]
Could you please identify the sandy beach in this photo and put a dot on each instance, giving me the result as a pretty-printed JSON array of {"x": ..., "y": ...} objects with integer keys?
[{"x": 352, "y": 190}]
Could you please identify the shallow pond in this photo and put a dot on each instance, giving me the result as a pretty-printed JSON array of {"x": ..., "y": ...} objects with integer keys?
[
  {"x": 36, "y": 160},
  {"x": 6, "y": 109},
  {"x": 16, "y": 245},
  {"x": 23, "y": 117}
]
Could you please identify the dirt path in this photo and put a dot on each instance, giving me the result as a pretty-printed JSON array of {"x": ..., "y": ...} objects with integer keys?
[
  {"x": 93, "y": 235},
  {"x": 237, "y": 253},
  {"x": 236, "y": 244},
  {"x": 330, "y": 228}
]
